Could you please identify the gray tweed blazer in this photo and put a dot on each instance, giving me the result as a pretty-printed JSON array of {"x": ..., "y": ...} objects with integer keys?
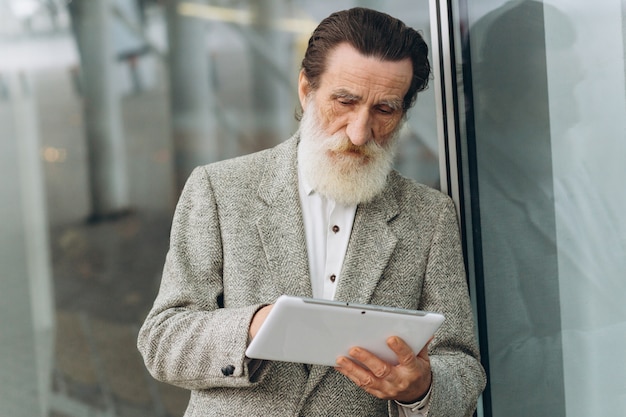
[{"x": 237, "y": 243}]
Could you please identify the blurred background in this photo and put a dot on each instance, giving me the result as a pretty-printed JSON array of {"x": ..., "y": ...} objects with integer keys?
[{"x": 105, "y": 107}]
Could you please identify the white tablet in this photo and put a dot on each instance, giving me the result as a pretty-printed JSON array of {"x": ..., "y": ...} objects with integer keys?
[{"x": 316, "y": 332}]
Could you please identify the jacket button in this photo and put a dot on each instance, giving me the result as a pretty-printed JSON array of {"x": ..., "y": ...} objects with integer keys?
[{"x": 228, "y": 370}]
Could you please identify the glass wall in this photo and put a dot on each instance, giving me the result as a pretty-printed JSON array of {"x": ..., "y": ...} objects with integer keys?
[
  {"x": 543, "y": 149},
  {"x": 588, "y": 124},
  {"x": 105, "y": 107}
]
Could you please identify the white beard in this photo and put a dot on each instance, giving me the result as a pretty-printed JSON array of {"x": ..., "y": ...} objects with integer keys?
[{"x": 339, "y": 170}]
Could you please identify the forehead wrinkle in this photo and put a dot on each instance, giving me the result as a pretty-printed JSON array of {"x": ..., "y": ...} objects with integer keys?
[{"x": 345, "y": 62}]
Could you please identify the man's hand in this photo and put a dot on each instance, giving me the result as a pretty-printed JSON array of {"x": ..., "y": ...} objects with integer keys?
[
  {"x": 258, "y": 319},
  {"x": 407, "y": 382}
]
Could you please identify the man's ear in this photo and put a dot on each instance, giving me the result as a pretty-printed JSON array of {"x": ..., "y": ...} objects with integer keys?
[{"x": 304, "y": 88}]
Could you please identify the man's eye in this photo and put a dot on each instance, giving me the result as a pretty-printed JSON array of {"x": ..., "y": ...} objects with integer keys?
[
  {"x": 344, "y": 102},
  {"x": 385, "y": 110}
]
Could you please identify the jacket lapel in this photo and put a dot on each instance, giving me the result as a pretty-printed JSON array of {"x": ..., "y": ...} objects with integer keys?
[
  {"x": 371, "y": 244},
  {"x": 281, "y": 227}
]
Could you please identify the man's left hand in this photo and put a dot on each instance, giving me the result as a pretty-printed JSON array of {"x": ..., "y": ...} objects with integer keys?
[{"x": 407, "y": 382}]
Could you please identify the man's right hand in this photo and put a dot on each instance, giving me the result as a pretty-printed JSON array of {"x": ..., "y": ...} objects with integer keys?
[{"x": 258, "y": 319}]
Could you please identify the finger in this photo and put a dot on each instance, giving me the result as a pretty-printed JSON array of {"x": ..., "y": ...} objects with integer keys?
[
  {"x": 356, "y": 373},
  {"x": 406, "y": 356},
  {"x": 374, "y": 364}
]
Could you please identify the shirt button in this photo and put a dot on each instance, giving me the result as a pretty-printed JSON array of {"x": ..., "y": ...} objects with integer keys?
[
  {"x": 335, "y": 229},
  {"x": 333, "y": 277}
]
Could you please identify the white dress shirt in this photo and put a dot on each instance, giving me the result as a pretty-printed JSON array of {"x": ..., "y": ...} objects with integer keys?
[{"x": 327, "y": 227}]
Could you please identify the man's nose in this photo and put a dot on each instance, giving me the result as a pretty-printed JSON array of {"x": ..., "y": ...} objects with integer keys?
[{"x": 360, "y": 129}]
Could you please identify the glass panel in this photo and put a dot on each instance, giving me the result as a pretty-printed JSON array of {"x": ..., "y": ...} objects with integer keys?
[
  {"x": 586, "y": 87},
  {"x": 105, "y": 106},
  {"x": 549, "y": 113}
]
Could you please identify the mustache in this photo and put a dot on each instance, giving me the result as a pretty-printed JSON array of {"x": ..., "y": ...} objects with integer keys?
[{"x": 344, "y": 145}]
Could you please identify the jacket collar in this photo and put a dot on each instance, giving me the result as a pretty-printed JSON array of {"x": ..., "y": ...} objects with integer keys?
[{"x": 282, "y": 231}]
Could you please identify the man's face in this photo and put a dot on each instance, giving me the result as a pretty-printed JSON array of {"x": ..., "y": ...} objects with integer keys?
[
  {"x": 350, "y": 124},
  {"x": 359, "y": 96}
]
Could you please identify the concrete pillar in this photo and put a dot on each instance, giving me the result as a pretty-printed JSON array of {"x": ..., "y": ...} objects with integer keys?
[
  {"x": 108, "y": 172},
  {"x": 191, "y": 93},
  {"x": 268, "y": 91}
]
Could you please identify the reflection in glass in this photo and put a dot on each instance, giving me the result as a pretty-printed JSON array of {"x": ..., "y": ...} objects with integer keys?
[
  {"x": 517, "y": 210},
  {"x": 587, "y": 107},
  {"x": 548, "y": 105}
]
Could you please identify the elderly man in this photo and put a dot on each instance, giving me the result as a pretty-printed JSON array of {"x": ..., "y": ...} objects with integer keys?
[{"x": 321, "y": 215}]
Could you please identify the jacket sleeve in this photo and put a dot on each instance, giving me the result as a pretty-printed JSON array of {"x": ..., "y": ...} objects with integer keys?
[
  {"x": 458, "y": 377},
  {"x": 188, "y": 339}
]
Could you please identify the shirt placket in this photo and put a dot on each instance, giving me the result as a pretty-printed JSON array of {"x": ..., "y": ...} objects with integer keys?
[{"x": 337, "y": 237}]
